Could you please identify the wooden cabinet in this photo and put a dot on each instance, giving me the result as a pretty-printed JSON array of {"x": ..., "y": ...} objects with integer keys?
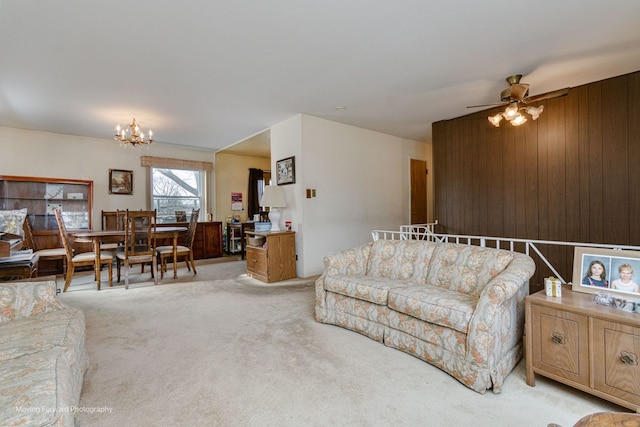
[
  {"x": 40, "y": 196},
  {"x": 207, "y": 242},
  {"x": 588, "y": 346},
  {"x": 616, "y": 350},
  {"x": 271, "y": 257}
]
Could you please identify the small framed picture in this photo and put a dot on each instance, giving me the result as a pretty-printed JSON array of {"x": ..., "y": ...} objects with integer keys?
[
  {"x": 606, "y": 270},
  {"x": 286, "y": 171},
  {"x": 120, "y": 181}
]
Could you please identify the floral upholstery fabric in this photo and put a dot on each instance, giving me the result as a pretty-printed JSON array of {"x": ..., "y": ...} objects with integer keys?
[
  {"x": 449, "y": 340},
  {"x": 399, "y": 259},
  {"x": 458, "y": 307},
  {"x": 350, "y": 261},
  {"x": 466, "y": 268},
  {"x": 35, "y": 390},
  {"x": 19, "y": 300},
  {"x": 440, "y": 306},
  {"x": 368, "y": 288},
  {"x": 42, "y": 355},
  {"x": 12, "y": 221}
]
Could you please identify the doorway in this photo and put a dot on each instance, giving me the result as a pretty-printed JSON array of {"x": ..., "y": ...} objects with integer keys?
[{"x": 418, "y": 191}]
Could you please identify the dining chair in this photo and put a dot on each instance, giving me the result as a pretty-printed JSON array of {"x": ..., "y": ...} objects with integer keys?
[
  {"x": 182, "y": 251},
  {"x": 139, "y": 245},
  {"x": 112, "y": 220},
  {"x": 81, "y": 259},
  {"x": 44, "y": 254}
]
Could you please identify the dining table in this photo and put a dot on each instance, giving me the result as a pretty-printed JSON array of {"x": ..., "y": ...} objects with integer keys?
[{"x": 96, "y": 237}]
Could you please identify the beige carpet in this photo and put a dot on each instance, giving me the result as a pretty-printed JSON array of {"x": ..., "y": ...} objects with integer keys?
[{"x": 220, "y": 349}]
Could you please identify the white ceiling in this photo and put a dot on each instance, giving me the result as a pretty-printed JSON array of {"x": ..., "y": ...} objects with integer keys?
[{"x": 211, "y": 73}]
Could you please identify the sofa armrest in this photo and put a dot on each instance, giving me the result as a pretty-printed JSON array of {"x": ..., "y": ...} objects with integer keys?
[
  {"x": 22, "y": 299},
  {"x": 349, "y": 261},
  {"x": 499, "y": 316}
]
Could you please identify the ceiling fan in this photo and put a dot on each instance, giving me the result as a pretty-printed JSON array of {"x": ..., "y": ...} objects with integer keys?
[{"x": 517, "y": 100}]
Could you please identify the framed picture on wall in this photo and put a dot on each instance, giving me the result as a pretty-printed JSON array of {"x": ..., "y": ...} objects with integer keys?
[
  {"x": 120, "y": 181},
  {"x": 286, "y": 171},
  {"x": 606, "y": 270}
]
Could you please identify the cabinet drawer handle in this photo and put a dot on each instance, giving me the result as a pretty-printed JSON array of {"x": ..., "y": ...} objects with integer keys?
[
  {"x": 557, "y": 338},
  {"x": 628, "y": 358}
]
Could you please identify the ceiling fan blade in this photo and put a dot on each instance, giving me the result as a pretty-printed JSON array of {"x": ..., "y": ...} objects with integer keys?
[
  {"x": 487, "y": 105},
  {"x": 553, "y": 94},
  {"x": 519, "y": 91}
]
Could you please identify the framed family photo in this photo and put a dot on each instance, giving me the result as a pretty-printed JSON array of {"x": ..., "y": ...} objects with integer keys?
[
  {"x": 606, "y": 270},
  {"x": 120, "y": 181},
  {"x": 286, "y": 171}
]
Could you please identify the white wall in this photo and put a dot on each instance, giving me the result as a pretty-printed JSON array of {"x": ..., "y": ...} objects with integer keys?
[
  {"x": 52, "y": 155},
  {"x": 362, "y": 178},
  {"x": 362, "y": 182}
]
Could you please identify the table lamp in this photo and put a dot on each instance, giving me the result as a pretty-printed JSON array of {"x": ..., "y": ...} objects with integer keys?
[{"x": 273, "y": 197}]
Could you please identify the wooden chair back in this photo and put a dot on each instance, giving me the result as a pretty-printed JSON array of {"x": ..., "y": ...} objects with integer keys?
[
  {"x": 140, "y": 240},
  {"x": 28, "y": 242},
  {"x": 191, "y": 231},
  {"x": 113, "y": 220},
  {"x": 64, "y": 236}
]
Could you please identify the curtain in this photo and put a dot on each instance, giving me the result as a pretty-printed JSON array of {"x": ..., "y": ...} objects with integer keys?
[
  {"x": 167, "y": 163},
  {"x": 253, "y": 195}
]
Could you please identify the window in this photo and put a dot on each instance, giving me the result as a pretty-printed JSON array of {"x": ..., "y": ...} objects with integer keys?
[
  {"x": 176, "y": 191},
  {"x": 177, "y": 186}
]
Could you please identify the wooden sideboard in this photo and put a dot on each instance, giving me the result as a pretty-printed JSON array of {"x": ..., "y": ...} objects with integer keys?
[
  {"x": 208, "y": 239},
  {"x": 585, "y": 345}
]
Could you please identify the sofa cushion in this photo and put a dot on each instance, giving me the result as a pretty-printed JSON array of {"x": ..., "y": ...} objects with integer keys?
[
  {"x": 366, "y": 288},
  {"x": 36, "y": 389},
  {"x": 19, "y": 300},
  {"x": 399, "y": 259},
  {"x": 62, "y": 328},
  {"x": 435, "y": 305},
  {"x": 12, "y": 221},
  {"x": 464, "y": 268}
]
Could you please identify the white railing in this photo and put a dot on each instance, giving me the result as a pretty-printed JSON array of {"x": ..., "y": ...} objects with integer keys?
[{"x": 425, "y": 232}]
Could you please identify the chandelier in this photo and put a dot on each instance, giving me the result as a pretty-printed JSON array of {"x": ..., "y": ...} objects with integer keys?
[
  {"x": 133, "y": 136},
  {"x": 513, "y": 113}
]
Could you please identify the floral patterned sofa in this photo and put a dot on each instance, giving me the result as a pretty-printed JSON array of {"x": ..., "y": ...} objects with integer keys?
[
  {"x": 458, "y": 307},
  {"x": 42, "y": 355}
]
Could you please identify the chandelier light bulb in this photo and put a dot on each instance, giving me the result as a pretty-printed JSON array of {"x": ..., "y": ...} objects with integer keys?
[
  {"x": 511, "y": 111},
  {"x": 518, "y": 120},
  {"x": 495, "y": 120},
  {"x": 535, "y": 112}
]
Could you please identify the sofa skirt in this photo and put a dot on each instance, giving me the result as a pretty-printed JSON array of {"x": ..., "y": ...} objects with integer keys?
[{"x": 439, "y": 346}]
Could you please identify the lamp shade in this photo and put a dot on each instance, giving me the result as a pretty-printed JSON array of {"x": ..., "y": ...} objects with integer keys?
[{"x": 273, "y": 197}]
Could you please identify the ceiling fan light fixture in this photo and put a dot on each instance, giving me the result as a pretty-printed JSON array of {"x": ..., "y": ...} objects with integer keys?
[
  {"x": 518, "y": 120},
  {"x": 535, "y": 111},
  {"x": 511, "y": 111},
  {"x": 495, "y": 120}
]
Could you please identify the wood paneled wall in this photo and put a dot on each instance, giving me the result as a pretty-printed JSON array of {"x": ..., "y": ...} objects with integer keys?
[{"x": 571, "y": 175}]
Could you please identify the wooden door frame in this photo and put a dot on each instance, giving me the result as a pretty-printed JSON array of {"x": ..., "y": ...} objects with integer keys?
[{"x": 429, "y": 186}]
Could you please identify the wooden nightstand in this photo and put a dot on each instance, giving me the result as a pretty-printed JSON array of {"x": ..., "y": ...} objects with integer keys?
[
  {"x": 585, "y": 345},
  {"x": 274, "y": 259}
]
